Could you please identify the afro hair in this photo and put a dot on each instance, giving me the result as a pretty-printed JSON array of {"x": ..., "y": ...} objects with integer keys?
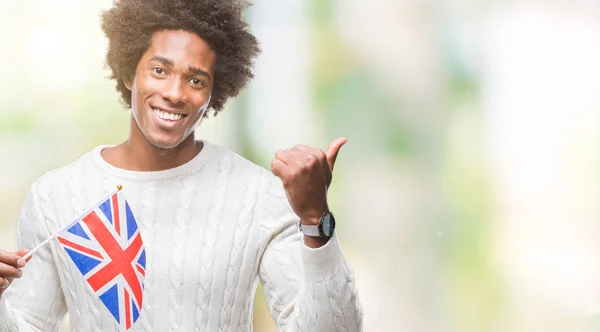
[{"x": 130, "y": 24}]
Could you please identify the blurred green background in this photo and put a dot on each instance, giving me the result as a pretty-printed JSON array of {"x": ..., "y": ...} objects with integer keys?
[{"x": 467, "y": 195}]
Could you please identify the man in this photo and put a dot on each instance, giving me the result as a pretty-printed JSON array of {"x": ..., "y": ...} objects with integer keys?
[{"x": 213, "y": 223}]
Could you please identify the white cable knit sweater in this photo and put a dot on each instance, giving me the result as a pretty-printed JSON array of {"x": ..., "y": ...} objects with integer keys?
[{"x": 212, "y": 228}]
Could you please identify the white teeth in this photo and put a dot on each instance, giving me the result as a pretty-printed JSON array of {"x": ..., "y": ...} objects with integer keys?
[{"x": 167, "y": 116}]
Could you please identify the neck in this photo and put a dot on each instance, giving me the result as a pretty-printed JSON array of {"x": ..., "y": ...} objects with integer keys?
[
  {"x": 137, "y": 154},
  {"x": 145, "y": 157}
]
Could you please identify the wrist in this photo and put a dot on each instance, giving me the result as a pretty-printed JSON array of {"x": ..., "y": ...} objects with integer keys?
[
  {"x": 312, "y": 221},
  {"x": 314, "y": 218}
]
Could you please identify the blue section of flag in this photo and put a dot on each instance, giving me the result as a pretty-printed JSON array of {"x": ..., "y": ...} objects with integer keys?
[
  {"x": 142, "y": 259},
  {"x": 107, "y": 210},
  {"x": 84, "y": 263},
  {"x": 136, "y": 314},
  {"x": 131, "y": 224},
  {"x": 78, "y": 230},
  {"x": 110, "y": 298}
]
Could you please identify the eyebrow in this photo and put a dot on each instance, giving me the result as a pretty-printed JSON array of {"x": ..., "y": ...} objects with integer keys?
[{"x": 170, "y": 63}]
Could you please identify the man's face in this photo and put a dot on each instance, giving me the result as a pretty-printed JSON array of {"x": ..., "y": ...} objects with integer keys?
[{"x": 172, "y": 87}]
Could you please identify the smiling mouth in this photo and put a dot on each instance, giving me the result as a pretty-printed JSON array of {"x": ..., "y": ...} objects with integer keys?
[{"x": 168, "y": 116}]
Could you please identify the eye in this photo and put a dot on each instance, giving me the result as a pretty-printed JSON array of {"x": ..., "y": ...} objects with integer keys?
[
  {"x": 158, "y": 71},
  {"x": 196, "y": 82}
]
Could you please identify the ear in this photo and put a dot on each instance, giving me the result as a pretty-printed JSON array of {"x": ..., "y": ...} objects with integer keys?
[{"x": 127, "y": 83}]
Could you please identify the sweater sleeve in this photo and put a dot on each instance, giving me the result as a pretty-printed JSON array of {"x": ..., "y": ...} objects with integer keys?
[
  {"x": 35, "y": 301},
  {"x": 306, "y": 289}
]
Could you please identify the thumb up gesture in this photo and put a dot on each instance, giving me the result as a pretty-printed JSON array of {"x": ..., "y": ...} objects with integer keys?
[{"x": 306, "y": 174}]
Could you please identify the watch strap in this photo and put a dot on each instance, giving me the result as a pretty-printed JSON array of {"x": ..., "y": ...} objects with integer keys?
[{"x": 310, "y": 230}]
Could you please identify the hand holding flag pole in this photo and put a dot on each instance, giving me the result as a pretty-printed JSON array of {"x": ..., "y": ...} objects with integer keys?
[{"x": 32, "y": 251}]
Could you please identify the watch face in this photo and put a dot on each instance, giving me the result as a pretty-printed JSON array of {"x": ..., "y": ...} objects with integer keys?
[{"x": 328, "y": 225}]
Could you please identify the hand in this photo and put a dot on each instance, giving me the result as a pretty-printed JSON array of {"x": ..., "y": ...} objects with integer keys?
[
  {"x": 10, "y": 268},
  {"x": 306, "y": 174}
]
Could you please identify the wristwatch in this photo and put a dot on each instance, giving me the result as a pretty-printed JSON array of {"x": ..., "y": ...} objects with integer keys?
[{"x": 325, "y": 228}]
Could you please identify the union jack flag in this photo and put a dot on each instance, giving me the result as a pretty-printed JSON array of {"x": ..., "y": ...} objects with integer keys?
[{"x": 107, "y": 248}]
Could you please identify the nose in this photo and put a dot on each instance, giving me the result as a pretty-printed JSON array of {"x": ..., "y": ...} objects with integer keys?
[{"x": 173, "y": 91}]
